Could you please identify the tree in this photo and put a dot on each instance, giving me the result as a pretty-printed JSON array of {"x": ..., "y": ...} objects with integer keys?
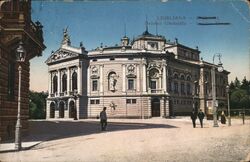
[{"x": 37, "y": 105}]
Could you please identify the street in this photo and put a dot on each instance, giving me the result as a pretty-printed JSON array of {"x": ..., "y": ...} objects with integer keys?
[{"x": 155, "y": 139}]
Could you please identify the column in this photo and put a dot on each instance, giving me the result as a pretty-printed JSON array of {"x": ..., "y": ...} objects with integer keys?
[
  {"x": 79, "y": 78},
  {"x": 164, "y": 80},
  {"x": 138, "y": 76},
  {"x": 101, "y": 79},
  {"x": 59, "y": 82},
  {"x": 144, "y": 77},
  {"x": 49, "y": 80},
  {"x": 68, "y": 81},
  {"x": 81, "y": 74},
  {"x": 123, "y": 78},
  {"x": 88, "y": 81},
  {"x": 160, "y": 82}
]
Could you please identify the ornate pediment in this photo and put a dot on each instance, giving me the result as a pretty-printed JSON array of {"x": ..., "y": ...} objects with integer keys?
[{"x": 61, "y": 54}]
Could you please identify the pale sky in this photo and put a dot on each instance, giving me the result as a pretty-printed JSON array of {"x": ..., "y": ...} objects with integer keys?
[{"x": 98, "y": 22}]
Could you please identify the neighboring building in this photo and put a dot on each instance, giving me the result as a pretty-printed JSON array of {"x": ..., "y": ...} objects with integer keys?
[
  {"x": 16, "y": 26},
  {"x": 148, "y": 77},
  {"x": 67, "y": 81}
]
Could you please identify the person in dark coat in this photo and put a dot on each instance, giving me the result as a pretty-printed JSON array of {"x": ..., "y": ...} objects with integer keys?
[
  {"x": 223, "y": 118},
  {"x": 193, "y": 117},
  {"x": 201, "y": 116},
  {"x": 103, "y": 118}
]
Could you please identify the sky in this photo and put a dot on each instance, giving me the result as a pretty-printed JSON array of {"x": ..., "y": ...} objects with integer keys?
[{"x": 107, "y": 22}]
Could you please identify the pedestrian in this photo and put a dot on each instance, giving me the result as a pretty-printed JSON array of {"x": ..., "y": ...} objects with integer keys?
[
  {"x": 193, "y": 117},
  {"x": 223, "y": 118},
  {"x": 201, "y": 116},
  {"x": 103, "y": 117}
]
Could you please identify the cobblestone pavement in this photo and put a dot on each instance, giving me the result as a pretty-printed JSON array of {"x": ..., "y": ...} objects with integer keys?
[{"x": 145, "y": 140}]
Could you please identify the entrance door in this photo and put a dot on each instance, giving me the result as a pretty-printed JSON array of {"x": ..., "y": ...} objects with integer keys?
[
  {"x": 52, "y": 110},
  {"x": 71, "y": 109},
  {"x": 171, "y": 109},
  {"x": 61, "y": 110},
  {"x": 155, "y": 107}
]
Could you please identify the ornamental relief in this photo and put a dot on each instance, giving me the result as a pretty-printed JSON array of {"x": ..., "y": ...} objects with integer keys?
[
  {"x": 154, "y": 65},
  {"x": 131, "y": 69},
  {"x": 94, "y": 70},
  {"x": 61, "y": 54}
]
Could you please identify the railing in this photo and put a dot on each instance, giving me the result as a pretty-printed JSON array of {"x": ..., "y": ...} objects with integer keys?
[{"x": 156, "y": 91}]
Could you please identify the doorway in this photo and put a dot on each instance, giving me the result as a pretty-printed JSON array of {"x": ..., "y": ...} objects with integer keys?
[{"x": 155, "y": 107}]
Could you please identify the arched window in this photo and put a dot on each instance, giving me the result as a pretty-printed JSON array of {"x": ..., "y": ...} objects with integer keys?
[
  {"x": 176, "y": 76},
  {"x": 55, "y": 84},
  {"x": 64, "y": 82},
  {"x": 74, "y": 81},
  {"x": 182, "y": 77}
]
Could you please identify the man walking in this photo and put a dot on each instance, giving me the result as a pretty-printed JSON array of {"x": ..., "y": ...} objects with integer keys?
[
  {"x": 201, "y": 116},
  {"x": 103, "y": 117},
  {"x": 193, "y": 117}
]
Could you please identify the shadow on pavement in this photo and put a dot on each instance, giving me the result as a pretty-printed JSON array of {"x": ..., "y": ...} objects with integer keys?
[{"x": 52, "y": 130}]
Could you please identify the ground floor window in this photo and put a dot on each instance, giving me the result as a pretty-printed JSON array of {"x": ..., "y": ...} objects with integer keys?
[
  {"x": 94, "y": 101},
  {"x": 131, "y": 101}
]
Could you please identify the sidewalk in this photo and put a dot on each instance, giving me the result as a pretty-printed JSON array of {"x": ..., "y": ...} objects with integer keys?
[{"x": 28, "y": 142}]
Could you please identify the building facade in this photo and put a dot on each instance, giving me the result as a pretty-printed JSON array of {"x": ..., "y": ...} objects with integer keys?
[
  {"x": 147, "y": 77},
  {"x": 16, "y": 26}
]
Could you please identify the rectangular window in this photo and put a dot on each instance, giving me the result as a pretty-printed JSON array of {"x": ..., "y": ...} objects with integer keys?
[
  {"x": 128, "y": 101},
  {"x": 11, "y": 81},
  {"x": 153, "y": 84},
  {"x": 94, "y": 101},
  {"x": 94, "y": 85},
  {"x": 131, "y": 84},
  {"x": 133, "y": 101}
]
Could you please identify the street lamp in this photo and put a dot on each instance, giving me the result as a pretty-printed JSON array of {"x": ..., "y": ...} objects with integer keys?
[
  {"x": 228, "y": 105},
  {"x": 194, "y": 94},
  {"x": 20, "y": 58},
  {"x": 220, "y": 69},
  {"x": 75, "y": 114}
]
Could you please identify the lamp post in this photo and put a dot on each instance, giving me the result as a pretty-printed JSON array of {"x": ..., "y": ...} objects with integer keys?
[
  {"x": 228, "y": 105},
  {"x": 220, "y": 69},
  {"x": 20, "y": 58},
  {"x": 75, "y": 98},
  {"x": 194, "y": 94}
]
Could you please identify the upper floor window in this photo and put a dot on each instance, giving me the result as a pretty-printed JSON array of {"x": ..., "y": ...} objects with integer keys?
[
  {"x": 131, "y": 84},
  {"x": 176, "y": 87},
  {"x": 74, "y": 81},
  {"x": 94, "y": 85},
  {"x": 182, "y": 88},
  {"x": 64, "y": 83},
  {"x": 55, "y": 86},
  {"x": 188, "y": 89}
]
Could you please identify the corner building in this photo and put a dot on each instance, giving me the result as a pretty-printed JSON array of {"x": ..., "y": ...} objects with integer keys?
[
  {"x": 147, "y": 77},
  {"x": 16, "y": 26}
]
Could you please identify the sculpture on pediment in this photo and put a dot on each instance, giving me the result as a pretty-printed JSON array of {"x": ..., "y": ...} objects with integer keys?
[{"x": 66, "y": 38}]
